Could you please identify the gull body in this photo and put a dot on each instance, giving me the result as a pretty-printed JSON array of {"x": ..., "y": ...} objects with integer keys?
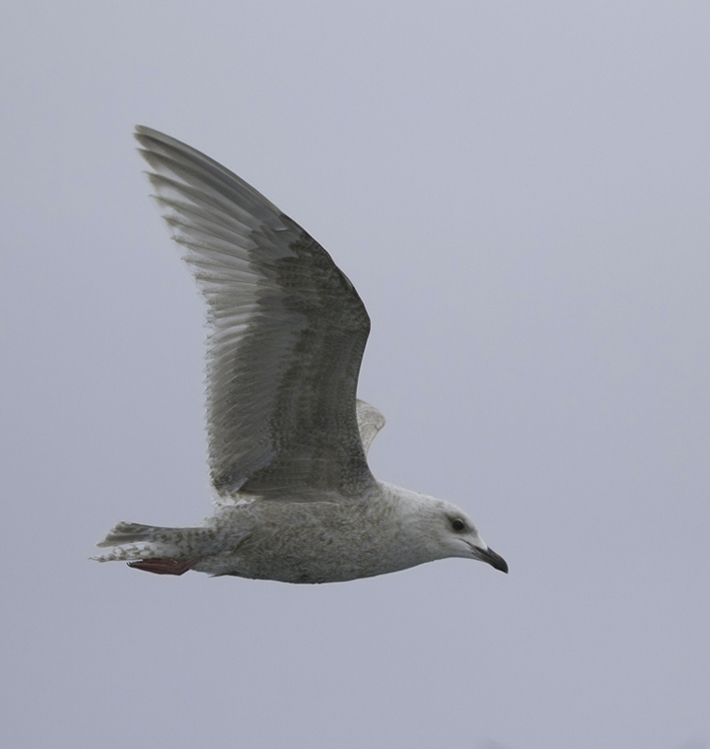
[{"x": 295, "y": 499}]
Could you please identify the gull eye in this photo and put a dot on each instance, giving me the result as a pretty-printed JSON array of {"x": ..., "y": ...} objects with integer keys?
[{"x": 457, "y": 524}]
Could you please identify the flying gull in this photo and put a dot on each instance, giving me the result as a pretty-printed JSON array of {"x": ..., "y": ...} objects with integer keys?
[{"x": 294, "y": 497}]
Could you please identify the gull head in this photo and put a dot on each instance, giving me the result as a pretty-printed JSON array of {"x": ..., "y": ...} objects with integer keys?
[
  {"x": 445, "y": 530},
  {"x": 462, "y": 538}
]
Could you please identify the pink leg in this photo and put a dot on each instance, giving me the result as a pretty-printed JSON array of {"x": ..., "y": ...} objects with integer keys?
[{"x": 164, "y": 566}]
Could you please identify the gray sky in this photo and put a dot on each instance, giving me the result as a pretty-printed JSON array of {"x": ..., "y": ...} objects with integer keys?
[{"x": 520, "y": 193}]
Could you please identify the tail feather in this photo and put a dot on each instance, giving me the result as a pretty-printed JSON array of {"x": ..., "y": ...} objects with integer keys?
[
  {"x": 127, "y": 533},
  {"x": 132, "y": 541}
]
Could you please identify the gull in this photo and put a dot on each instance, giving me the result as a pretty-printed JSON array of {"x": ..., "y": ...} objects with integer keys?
[{"x": 295, "y": 500}]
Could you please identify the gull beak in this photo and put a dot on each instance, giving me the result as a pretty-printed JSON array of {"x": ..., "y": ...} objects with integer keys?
[{"x": 490, "y": 557}]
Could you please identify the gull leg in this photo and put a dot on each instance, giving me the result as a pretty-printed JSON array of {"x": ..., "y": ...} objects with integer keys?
[{"x": 164, "y": 566}]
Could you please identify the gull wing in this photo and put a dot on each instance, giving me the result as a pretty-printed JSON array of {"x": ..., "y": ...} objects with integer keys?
[
  {"x": 287, "y": 333},
  {"x": 369, "y": 421}
]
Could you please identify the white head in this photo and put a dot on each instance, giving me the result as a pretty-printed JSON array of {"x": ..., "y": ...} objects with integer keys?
[{"x": 444, "y": 530}]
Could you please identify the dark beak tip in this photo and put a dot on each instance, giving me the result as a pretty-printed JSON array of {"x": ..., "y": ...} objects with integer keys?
[{"x": 495, "y": 560}]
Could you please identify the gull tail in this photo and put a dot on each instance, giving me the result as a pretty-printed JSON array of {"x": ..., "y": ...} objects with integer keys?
[
  {"x": 128, "y": 533},
  {"x": 156, "y": 549}
]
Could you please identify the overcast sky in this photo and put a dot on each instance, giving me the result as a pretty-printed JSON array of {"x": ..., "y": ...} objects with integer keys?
[{"x": 520, "y": 191}]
